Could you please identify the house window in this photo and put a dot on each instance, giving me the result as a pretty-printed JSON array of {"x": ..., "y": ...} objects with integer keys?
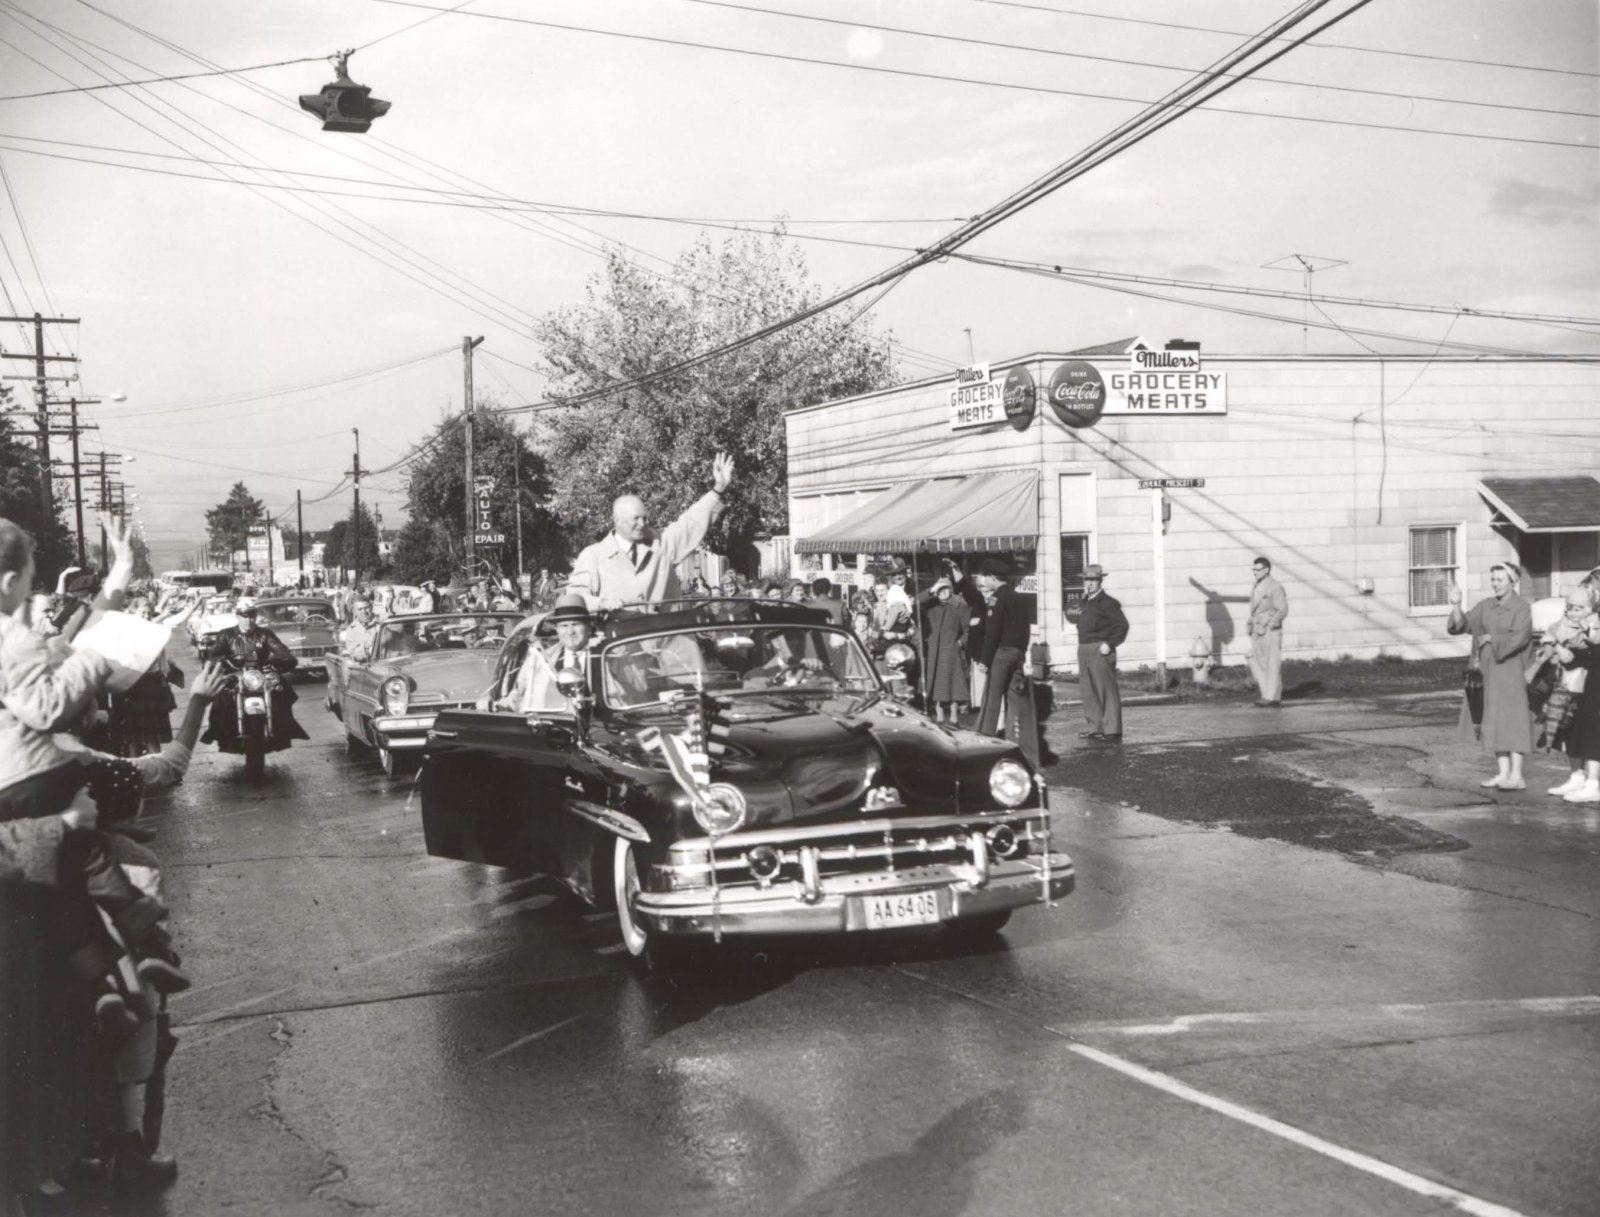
[
  {"x": 1434, "y": 567},
  {"x": 1074, "y": 557}
]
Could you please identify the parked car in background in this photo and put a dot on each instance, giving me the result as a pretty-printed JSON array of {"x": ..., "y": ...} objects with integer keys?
[
  {"x": 738, "y": 768},
  {"x": 420, "y": 665},
  {"x": 304, "y": 624}
]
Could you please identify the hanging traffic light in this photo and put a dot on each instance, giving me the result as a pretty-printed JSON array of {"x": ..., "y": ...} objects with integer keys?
[{"x": 344, "y": 105}]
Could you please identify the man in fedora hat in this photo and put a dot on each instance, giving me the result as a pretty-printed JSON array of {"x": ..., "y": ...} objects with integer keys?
[
  {"x": 535, "y": 687},
  {"x": 634, "y": 563},
  {"x": 1102, "y": 628},
  {"x": 1005, "y": 640}
]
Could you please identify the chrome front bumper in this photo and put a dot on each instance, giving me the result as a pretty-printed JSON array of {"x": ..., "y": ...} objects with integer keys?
[
  {"x": 405, "y": 731},
  {"x": 783, "y": 908}
]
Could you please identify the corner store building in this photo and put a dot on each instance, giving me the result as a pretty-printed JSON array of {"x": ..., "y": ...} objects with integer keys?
[{"x": 1371, "y": 482}]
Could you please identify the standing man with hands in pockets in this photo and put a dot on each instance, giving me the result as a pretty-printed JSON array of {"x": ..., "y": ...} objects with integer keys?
[
  {"x": 1102, "y": 628},
  {"x": 1269, "y": 605}
]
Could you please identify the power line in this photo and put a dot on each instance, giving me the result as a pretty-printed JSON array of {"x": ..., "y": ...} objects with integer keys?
[
  {"x": 1321, "y": 46},
  {"x": 948, "y": 78},
  {"x": 1078, "y": 273},
  {"x": 1136, "y": 63},
  {"x": 1155, "y": 117},
  {"x": 155, "y": 80}
]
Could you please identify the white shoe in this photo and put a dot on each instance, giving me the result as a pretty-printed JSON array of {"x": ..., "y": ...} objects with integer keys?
[
  {"x": 1574, "y": 782},
  {"x": 1589, "y": 792},
  {"x": 1490, "y": 783}
]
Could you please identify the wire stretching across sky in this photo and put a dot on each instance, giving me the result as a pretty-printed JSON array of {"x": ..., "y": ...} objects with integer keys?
[
  {"x": 950, "y": 78},
  {"x": 1227, "y": 72}
]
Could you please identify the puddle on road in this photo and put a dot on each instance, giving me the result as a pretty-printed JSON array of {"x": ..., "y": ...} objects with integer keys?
[{"x": 1283, "y": 790}]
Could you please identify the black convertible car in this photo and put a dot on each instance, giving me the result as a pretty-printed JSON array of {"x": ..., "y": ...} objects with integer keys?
[{"x": 737, "y": 767}]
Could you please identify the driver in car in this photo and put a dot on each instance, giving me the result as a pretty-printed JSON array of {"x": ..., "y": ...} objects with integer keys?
[{"x": 535, "y": 687}]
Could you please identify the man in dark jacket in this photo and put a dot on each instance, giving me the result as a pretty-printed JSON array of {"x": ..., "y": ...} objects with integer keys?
[
  {"x": 1102, "y": 628},
  {"x": 1005, "y": 640}
]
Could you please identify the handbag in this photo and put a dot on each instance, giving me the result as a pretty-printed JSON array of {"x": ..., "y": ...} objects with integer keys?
[{"x": 1472, "y": 685}]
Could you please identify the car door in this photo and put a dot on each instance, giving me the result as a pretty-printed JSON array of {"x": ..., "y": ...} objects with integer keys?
[{"x": 493, "y": 785}]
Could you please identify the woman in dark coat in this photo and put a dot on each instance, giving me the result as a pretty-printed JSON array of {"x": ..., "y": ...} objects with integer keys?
[
  {"x": 1501, "y": 626},
  {"x": 945, "y": 622},
  {"x": 1581, "y": 736}
]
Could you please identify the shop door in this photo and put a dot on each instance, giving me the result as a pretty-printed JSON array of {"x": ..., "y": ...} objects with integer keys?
[{"x": 1577, "y": 553}]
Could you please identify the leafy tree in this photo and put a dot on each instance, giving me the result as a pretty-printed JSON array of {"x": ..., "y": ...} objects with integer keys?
[
  {"x": 54, "y": 544},
  {"x": 433, "y": 543},
  {"x": 228, "y": 524},
  {"x": 364, "y": 557},
  {"x": 657, "y": 440}
]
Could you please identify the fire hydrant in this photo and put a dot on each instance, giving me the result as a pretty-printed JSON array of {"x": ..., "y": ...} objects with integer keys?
[{"x": 1200, "y": 660}]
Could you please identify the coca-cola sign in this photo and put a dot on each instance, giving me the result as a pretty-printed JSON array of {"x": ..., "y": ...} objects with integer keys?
[
  {"x": 1077, "y": 394},
  {"x": 1020, "y": 397}
]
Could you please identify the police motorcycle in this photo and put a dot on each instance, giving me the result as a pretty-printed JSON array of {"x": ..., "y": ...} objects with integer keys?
[{"x": 252, "y": 714}]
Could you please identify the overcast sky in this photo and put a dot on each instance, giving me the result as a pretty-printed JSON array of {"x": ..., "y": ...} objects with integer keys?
[{"x": 203, "y": 300}]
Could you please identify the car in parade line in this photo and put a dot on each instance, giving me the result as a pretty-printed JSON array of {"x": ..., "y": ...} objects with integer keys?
[
  {"x": 304, "y": 624},
  {"x": 733, "y": 768},
  {"x": 214, "y": 615},
  {"x": 420, "y": 665}
]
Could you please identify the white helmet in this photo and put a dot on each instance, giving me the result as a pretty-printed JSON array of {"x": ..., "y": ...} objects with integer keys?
[{"x": 246, "y": 606}]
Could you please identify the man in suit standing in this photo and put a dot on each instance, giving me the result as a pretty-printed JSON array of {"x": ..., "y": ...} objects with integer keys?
[
  {"x": 1269, "y": 605},
  {"x": 633, "y": 563},
  {"x": 1102, "y": 628},
  {"x": 1005, "y": 639},
  {"x": 822, "y": 598}
]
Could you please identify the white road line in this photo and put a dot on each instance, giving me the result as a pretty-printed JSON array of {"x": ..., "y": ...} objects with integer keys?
[
  {"x": 1458, "y": 1200},
  {"x": 1449, "y": 1012},
  {"x": 528, "y": 1039}
]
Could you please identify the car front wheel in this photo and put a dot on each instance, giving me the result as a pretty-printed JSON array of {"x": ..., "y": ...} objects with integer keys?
[{"x": 625, "y": 886}]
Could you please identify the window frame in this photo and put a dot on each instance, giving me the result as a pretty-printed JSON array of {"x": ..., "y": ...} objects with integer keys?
[
  {"x": 1457, "y": 529},
  {"x": 1087, "y": 538}
]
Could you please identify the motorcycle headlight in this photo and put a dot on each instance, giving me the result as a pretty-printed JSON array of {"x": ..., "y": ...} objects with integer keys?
[
  {"x": 721, "y": 809},
  {"x": 396, "y": 695},
  {"x": 252, "y": 680},
  {"x": 1009, "y": 782},
  {"x": 899, "y": 656}
]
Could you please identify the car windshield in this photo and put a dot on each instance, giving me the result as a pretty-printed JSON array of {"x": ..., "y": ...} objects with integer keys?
[
  {"x": 408, "y": 636},
  {"x": 733, "y": 658},
  {"x": 296, "y": 612}
]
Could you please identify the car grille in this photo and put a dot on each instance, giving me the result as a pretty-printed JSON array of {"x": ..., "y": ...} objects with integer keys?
[
  {"x": 835, "y": 850},
  {"x": 311, "y": 652}
]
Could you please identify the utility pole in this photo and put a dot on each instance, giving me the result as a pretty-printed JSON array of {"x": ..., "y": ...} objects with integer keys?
[
  {"x": 41, "y": 383},
  {"x": 471, "y": 485},
  {"x": 355, "y": 518},
  {"x": 270, "y": 579},
  {"x": 300, "y": 538},
  {"x": 516, "y": 503}
]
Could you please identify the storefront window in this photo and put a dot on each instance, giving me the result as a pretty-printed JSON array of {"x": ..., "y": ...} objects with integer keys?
[
  {"x": 1074, "y": 557},
  {"x": 1433, "y": 566}
]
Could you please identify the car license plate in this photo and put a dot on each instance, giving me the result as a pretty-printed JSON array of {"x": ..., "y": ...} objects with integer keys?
[
  {"x": 891, "y": 912},
  {"x": 255, "y": 705}
]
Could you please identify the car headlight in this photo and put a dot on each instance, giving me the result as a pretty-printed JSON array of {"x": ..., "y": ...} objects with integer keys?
[
  {"x": 1009, "y": 782},
  {"x": 396, "y": 695},
  {"x": 721, "y": 809},
  {"x": 252, "y": 680}
]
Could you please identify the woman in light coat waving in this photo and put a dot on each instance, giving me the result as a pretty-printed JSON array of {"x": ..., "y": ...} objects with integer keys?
[{"x": 1501, "y": 626}]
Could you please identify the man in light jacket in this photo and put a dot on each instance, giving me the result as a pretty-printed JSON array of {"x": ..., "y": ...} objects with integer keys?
[
  {"x": 1269, "y": 605},
  {"x": 633, "y": 563}
]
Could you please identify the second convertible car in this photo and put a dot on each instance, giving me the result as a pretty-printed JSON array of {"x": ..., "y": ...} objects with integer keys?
[
  {"x": 420, "y": 665},
  {"x": 738, "y": 768}
]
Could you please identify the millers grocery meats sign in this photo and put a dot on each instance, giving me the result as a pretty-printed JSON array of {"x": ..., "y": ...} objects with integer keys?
[{"x": 1166, "y": 382}]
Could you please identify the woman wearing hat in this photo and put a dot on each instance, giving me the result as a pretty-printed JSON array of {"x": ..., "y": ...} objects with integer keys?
[{"x": 1501, "y": 626}]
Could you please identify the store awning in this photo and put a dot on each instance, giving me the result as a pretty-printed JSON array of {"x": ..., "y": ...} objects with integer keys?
[
  {"x": 1569, "y": 503},
  {"x": 985, "y": 513}
]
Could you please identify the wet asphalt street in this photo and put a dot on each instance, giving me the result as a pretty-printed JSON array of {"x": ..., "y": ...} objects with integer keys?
[{"x": 1234, "y": 1014}]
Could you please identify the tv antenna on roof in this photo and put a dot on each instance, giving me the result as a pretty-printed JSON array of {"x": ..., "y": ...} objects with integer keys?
[{"x": 1306, "y": 265}]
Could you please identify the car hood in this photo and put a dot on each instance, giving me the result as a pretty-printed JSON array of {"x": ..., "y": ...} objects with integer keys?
[
  {"x": 442, "y": 675},
  {"x": 800, "y": 758}
]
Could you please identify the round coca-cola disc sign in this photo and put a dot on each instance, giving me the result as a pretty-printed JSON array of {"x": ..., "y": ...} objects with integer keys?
[
  {"x": 1077, "y": 394},
  {"x": 1019, "y": 397}
]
